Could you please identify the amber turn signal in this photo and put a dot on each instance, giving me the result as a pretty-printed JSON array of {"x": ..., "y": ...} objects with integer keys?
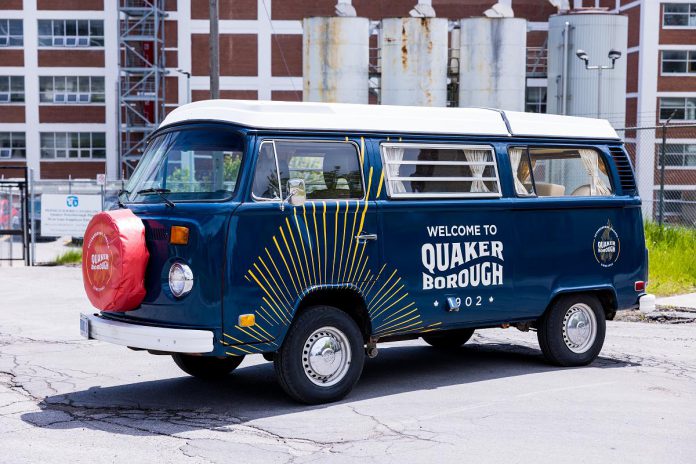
[
  {"x": 247, "y": 320},
  {"x": 179, "y": 235}
]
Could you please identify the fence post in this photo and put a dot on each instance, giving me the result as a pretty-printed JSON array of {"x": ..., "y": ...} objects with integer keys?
[
  {"x": 32, "y": 211},
  {"x": 662, "y": 172}
]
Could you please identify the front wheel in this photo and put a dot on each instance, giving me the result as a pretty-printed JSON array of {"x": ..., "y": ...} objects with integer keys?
[
  {"x": 571, "y": 332},
  {"x": 322, "y": 356},
  {"x": 207, "y": 367}
]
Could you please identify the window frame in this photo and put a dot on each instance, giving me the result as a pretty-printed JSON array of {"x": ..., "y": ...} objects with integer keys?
[
  {"x": 690, "y": 57},
  {"x": 682, "y": 155},
  {"x": 68, "y": 135},
  {"x": 282, "y": 198},
  {"x": 692, "y": 10},
  {"x": 9, "y": 92},
  {"x": 685, "y": 108},
  {"x": 78, "y": 94},
  {"x": 442, "y": 196},
  {"x": 600, "y": 154},
  {"x": 12, "y": 148},
  {"x": 76, "y": 37},
  {"x": 9, "y": 36}
]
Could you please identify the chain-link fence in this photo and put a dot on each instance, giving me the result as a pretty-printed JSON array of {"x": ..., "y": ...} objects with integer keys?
[
  {"x": 665, "y": 161},
  {"x": 57, "y": 213}
]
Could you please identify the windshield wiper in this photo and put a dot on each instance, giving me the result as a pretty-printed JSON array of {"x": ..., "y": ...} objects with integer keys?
[{"x": 158, "y": 191}]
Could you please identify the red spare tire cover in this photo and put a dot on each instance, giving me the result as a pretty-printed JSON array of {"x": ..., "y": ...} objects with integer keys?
[{"x": 114, "y": 258}]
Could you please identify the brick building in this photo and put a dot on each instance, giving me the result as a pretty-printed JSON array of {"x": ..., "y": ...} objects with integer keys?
[{"x": 59, "y": 68}]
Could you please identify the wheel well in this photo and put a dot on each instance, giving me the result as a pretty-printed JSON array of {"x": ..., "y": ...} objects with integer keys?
[
  {"x": 347, "y": 300},
  {"x": 606, "y": 297}
]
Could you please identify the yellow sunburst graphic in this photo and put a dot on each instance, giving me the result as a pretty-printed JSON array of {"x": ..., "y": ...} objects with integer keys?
[{"x": 299, "y": 260}]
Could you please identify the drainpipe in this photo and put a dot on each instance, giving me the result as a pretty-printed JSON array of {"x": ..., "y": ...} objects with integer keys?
[{"x": 564, "y": 77}]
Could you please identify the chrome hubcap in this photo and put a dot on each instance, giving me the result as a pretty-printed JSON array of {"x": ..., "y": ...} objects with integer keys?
[
  {"x": 326, "y": 356},
  {"x": 579, "y": 328}
]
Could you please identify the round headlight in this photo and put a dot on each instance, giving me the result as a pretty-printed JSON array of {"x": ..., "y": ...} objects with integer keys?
[{"x": 180, "y": 279}]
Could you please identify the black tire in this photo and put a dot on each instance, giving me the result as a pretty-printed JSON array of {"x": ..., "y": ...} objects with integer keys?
[
  {"x": 449, "y": 339},
  {"x": 292, "y": 361},
  {"x": 558, "y": 346},
  {"x": 207, "y": 367}
]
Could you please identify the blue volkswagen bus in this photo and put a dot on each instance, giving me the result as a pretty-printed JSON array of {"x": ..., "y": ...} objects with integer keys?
[{"x": 309, "y": 233}]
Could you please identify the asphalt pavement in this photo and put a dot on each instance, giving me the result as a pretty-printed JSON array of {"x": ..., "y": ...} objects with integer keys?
[{"x": 65, "y": 399}]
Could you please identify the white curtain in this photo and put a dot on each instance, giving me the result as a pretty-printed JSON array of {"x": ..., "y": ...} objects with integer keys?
[
  {"x": 515, "y": 160},
  {"x": 477, "y": 156},
  {"x": 394, "y": 154},
  {"x": 591, "y": 162}
]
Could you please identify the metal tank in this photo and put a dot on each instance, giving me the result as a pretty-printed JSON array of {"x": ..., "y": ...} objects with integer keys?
[
  {"x": 335, "y": 58},
  {"x": 573, "y": 89},
  {"x": 414, "y": 61},
  {"x": 492, "y": 69}
]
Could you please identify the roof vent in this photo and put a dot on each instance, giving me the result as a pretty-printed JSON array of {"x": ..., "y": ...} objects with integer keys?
[{"x": 623, "y": 166}]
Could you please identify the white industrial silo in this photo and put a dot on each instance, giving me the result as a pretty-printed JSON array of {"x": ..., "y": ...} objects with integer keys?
[
  {"x": 335, "y": 58},
  {"x": 573, "y": 89},
  {"x": 492, "y": 70},
  {"x": 414, "y": 61}
]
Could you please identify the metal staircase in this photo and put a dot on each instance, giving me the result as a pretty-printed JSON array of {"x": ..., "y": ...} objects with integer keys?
[{"x": 141, "y": 76}]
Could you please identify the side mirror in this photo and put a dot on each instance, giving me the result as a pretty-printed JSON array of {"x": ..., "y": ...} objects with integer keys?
[{"x": 297, "y": 194}]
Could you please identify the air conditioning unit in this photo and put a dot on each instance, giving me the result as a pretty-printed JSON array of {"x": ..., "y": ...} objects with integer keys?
[{"x": 5, "y": 153}]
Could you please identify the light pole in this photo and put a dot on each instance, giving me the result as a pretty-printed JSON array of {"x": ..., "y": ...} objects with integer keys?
[
  {"x": 613, "y": 56},
  {"x": 188, "y": 83}
]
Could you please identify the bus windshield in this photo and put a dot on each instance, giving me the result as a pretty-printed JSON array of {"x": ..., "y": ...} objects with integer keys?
[{"x": 187, "y": 164}]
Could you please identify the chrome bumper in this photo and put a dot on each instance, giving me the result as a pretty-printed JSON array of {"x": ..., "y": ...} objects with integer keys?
[
  {"x": 646, "y": 303},
  {"x": 146, "y": 337}
]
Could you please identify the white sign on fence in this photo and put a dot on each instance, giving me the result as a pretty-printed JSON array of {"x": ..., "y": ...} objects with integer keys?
[{"x": 67, "y": 214}]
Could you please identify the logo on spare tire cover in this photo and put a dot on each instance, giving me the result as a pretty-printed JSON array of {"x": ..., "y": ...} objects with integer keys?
[
  {"x": 99, "y": 261},
  {"x": 606, "y": 245}
]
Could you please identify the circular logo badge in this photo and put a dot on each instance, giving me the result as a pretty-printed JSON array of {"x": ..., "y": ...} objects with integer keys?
[
  {"x": 99, "y": 259},
  {"x": 606, "y": 245}
]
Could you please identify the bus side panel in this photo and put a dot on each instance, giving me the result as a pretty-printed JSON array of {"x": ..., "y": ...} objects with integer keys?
[{"x": 571, "y": 243}]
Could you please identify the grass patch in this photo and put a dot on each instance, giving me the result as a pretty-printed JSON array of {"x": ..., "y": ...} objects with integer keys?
[
  {"x": 672, "y": 259},
  {"x": 69, "y": 257}
]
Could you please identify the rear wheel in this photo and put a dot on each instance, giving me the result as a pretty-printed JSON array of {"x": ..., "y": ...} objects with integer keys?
[
  {"x": 322, "y": 356},
  {"x": 450, "y": 339},
  {"x": 571, "y": 332},
  {"x": 207, "y": 367}
]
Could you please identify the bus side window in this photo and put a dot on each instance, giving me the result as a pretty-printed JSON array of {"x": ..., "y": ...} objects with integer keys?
[{"x": 558, "y": 172}]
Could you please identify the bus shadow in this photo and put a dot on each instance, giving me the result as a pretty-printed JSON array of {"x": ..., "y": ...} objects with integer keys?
[{"x": 176, "y": 405}]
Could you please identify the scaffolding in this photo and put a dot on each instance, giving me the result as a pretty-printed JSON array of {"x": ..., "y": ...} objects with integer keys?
[{"x": 141, "y": 76}]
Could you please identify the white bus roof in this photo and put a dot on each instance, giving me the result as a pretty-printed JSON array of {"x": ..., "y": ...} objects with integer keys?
[{"x": 390, "y": 119}]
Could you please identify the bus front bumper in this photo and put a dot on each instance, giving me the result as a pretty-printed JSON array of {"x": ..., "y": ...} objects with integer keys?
[{"x": 146, "y": 337}]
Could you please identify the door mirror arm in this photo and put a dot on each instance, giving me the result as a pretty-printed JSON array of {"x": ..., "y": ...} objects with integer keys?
[{"x": 297, "y": 195}]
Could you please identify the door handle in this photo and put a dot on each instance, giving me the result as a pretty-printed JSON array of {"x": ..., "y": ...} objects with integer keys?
[{"x": 363, "y": 238}]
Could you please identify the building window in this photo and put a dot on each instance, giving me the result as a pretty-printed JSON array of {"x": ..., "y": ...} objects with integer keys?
[
  {"x": 440, "y": 171},
  {"x": 681, "y": 109},
  {"x": 535, "y": 100},
  {"x": 679, "y": 15},
  {"x": 11, "y": 89},
  {"x": 11, "y": 33},
  {"x": 73, "y": 145},
  {"x": 71, "y": 33},
  {"x": 13, "y": 145},
  {"x": 678, "y": 155},
  {"x": 678, "y": 61},
  {"x": 71, "y": 89}
]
